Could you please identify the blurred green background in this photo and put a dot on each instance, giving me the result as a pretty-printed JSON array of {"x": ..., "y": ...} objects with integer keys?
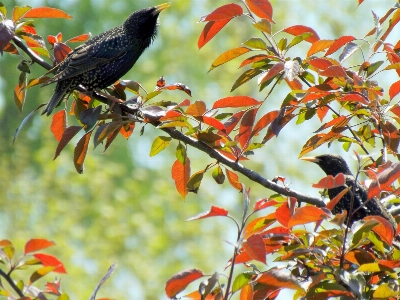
[{"x": 124, "y": 207}]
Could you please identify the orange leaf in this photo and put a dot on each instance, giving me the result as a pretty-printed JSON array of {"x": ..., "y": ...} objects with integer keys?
[
  {"x": 46, "y": 12},
  {"x": 233, "y": 179},
  {"x": 283, "y": 214},
  {"x": 384, "y": 228},
  {"x": 330, "y": 182},
  {"x": 300, "y": 29},
  {"x": 126, "y": 133},
  {"x": 321, "y": 112},
  {"x": 318, "y": 46},
  {"x": 255, "y": 248},
  {"x": 339, "y": 43},
  {"x": 246, "y": 292},
  {"x": 394, "y": 89},
  {"x": 279, "y": 278},
  {"x": 228, "y": 55},
  {"x": 181, "y": 174},
  {"x": 37, "y": 244},
  {"x": 333, "y": 71},
  {"x": 61, "y": 51},
  {"x": 339, "y": 121},
  {"x": 246, "y": 125},
  {"x": 214, "y": 212},
  {"x": 235, "y": 101},
  {"x": 50, "y": 261},
  {"x": 59, "y": 124},
  {"x": 227, "y": 11},
  {"x": 80, "y": 152},
  {"x": 80, "y": 38},
  {"x": 180, "y": 281},
  {"x": 331, "y": 204},
  {"x": 307, "y": 214},
  {"x": 196, "y": 109},
  {"x": 261, "y": 8},
  {"x": 264, "y": 121},
  {"x": 210, "y": 30},
  {"x": 68, "y": 134}
]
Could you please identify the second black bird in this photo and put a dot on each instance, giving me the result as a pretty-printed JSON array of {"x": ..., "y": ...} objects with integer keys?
[
  {"x": 334, "y": 165},
  {"x": 105, "y": 58}
]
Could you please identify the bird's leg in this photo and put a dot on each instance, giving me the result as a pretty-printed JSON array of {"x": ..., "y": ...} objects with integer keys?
[{"x": 113, "y": 100}]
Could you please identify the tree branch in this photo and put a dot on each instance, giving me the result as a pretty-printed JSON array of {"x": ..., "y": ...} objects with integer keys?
[
  {"x": 254, "y": 176},
  {"x": 12, "y": 284}
]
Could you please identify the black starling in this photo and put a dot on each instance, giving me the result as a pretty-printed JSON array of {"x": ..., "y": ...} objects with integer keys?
[
  {"x": 105, "y": 58},
  {"x": 334, "y": 165}
]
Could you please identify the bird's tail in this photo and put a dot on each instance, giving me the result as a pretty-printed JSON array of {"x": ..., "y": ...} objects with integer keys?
[{"x": 59, "y": 93}]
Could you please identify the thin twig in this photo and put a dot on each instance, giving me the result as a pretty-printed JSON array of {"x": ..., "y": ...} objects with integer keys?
[{"x": 12, "y": 284}]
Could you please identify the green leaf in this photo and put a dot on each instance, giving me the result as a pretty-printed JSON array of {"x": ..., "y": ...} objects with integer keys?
[
  {"x": 282, "y": 44},
  {"x": 299, "y": 39},
  {"x": 246, "y": 76},
  {"x": 373, "y": 67},
  {"x": 151, "y": 95},
  {"x": 181, "y": 153},
  {"x": 195, "y": 181},
  {"x": 3, "y": 10},
  {"x": 256, "y": 43},
  {"x": 159, "y": 144},
  {"x": 241, "y": 280},
  {"x": 26, "y": 119},
  {"x": 263, "y": 25},
  {"x": 218, "y": 175}
]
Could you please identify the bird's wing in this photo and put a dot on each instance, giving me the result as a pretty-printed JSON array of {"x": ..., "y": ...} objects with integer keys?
[{"x": 90, "y": 56}]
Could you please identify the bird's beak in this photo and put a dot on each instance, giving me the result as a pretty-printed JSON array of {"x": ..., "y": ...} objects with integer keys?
[
  {"x": 161, "y": 7},
  {"x": 311, "y": 159}
]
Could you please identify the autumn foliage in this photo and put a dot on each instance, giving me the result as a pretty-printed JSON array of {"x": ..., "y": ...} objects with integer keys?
[{"x": 321, "y": 260}]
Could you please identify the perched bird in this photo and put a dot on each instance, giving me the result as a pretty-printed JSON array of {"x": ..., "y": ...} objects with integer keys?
[
  {"x": 334, "y": 165},
  {"x": 105, "y": 58}
]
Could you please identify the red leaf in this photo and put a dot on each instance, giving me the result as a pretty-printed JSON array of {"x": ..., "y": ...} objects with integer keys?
[
  {"x": 307, "y": 214},
  {"x": 180, "y": 174},
  {"x": 180, "y": 281},
  {"x": 80, "y": 152},
  {"x": 339, "y": 43},
  {"x": 46, "y": 12},
  {"x": 334, "y": 71},
  {"x": 330, "y": 182},
  {"x": 61, "y": 51},
  {"x": 321, "y": 112},
  {"x": 275, "y": 70},
  {"x": 353, "y": 97},
  {"x": 255, "y": 248},
  {"x": 279, "y": 278},
  {"x": 231, "y": 123},
  {"x": 339, "y": 121},
  {"x": 213, "y": 122},
  {"x": 210, "y": 30},
  {"x": 245, "y": 127},
  {"x": 235, "y": 101},
  {"x": 264, "y": 121},
  {"x": 394, "y": 89},
  {"x": 59, "y": 124},
  {"x": 214, "y": 212},
  {"x": 233, "y": 179},
  {"x": 227, "y": 11},
  {"x": 260, "y": 224},
  {"x": 384, "y": 179},
  {"x": 37, "y": 244},
  {"x": 318, "y": 46},
  {"x": 320, "y": 63},
  {"x": 253, "y": 59},
  {"x": 50, "y": 261},
  {"x": 68, "y": 134},
  {"x": 283, "y": 214},
  {"x": 261, "y": 8},
  {"x": 264, "y": 203},
  {"x": 242, "y": 257},
  {"x": 384, "y": 228},
  {"x": 300, "y": 29}
]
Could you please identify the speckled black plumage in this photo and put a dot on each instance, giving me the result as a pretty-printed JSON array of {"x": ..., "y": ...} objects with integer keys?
[
  {"x": 335, "y": 164},
  {"x": 105, "y": 58}
]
